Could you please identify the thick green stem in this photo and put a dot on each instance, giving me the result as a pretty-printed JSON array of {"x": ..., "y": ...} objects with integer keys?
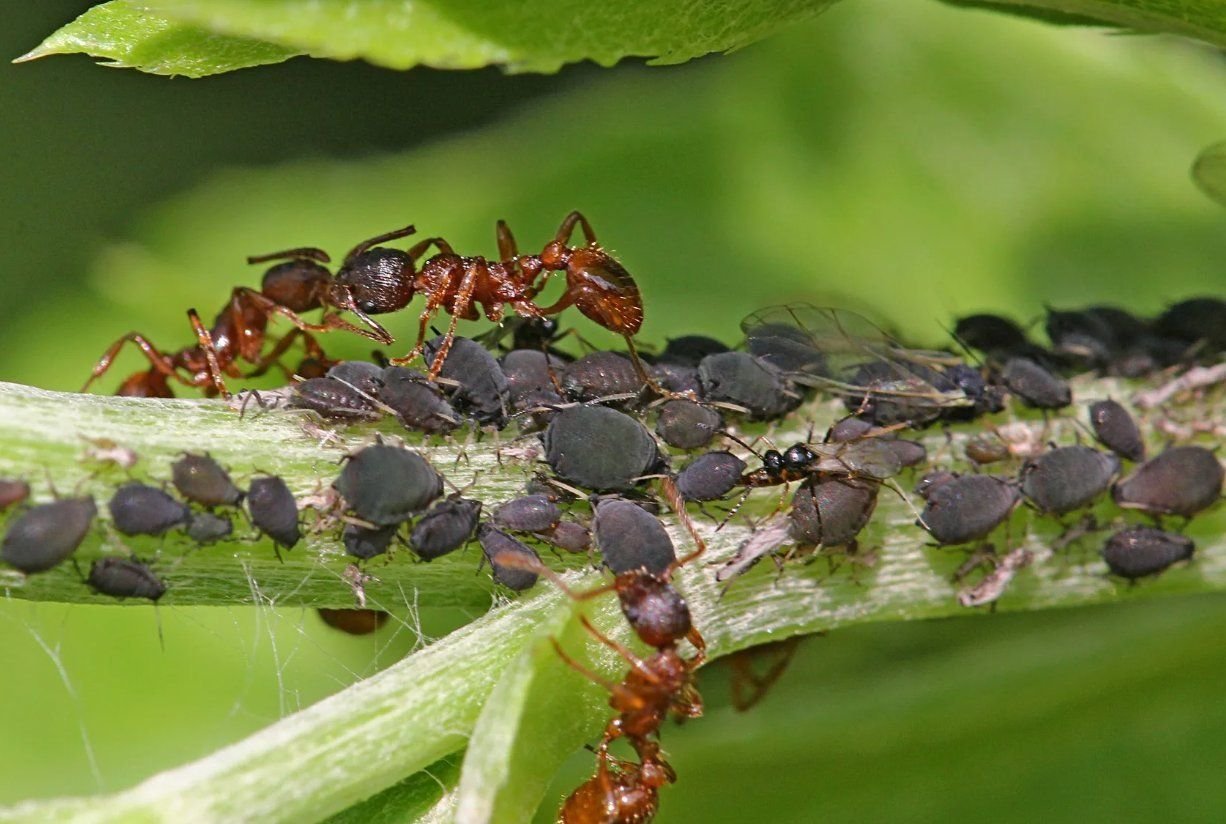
[{"x": 382, "y": 730}]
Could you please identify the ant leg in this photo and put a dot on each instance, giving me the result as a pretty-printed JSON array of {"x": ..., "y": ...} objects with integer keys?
[
  {"x": 377, "y": 239},
  {"x": 675, "y": 502},
  {"x": 157, "y": 359},
  {"x": 461, "y": 306},
  {"x": 433, "y": 303},
  {"x": 274, "y": 356},
  {"x": 566, "y": 301},
  {"x": 568, "y": 228},
  {"x": 508, "y": 250},
  {"x": 582, "y": 670},
  {"x": 327, "y": 323},
  {"x": 210, "y": 353},
  {"x": 301, "y": 253},
  {"x": 627, "y": 655},
  {"x": 417, "y": 250},
  {"x": 748, "y": 688}
]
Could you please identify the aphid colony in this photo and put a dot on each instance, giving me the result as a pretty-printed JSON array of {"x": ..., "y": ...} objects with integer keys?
[{"x": 606, "y": 422}]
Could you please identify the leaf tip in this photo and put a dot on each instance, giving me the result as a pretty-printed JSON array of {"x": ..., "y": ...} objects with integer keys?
[{"x": 39, "y": 51}]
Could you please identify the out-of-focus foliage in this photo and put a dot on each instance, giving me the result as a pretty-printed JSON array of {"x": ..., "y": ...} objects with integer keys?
[
  {"x": 916, "y": 160},
  {"x": 528, "y": 35}
]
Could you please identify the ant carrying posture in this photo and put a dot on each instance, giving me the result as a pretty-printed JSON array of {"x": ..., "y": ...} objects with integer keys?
[{"x": 299, "y": 284}]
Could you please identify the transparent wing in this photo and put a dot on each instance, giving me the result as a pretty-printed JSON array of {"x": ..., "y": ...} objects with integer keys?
[{"x": 868, "y": 458}]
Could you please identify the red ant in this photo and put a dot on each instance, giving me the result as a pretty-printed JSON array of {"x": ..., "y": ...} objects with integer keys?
[
  {"x": 300, "y": 284},
  {"x": 625, "y": 796}
]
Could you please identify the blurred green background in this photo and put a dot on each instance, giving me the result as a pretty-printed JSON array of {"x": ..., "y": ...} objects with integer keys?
[{"x": 908, "y": 158}]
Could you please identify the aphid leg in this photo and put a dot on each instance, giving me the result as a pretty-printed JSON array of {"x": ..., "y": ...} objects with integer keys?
[
  {"x": 210, "y": 353},
  {"x": 377, "y": 239}
]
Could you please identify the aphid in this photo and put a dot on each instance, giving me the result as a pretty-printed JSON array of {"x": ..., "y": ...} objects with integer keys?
[
  {"x": 679, "y": 379},
  {"x": 334, "y": 399},
  {"x": 1196, "y": 320},
  {"x": 710, "y": 476},
  {"x": 986, "y": 448},
  {"x": 387, "y": 484},
  {"x": 1116, "y": 430},
  {"x": 630, "y": 538},
  {"x": 481, "y": 389},
  {"x": 1182, "y": 480},
  {"x": 909, "y": 453},
  {"x": 206, "y": 527},
  {"x": 685, "y": 424},
  {"x": 138, "y": 509},
  {"x": 124, "y": 578},
  {"x": 689, "y": 350},
  {"x": 628, "y": 794},
  {"x": 1034, "y": 385},
  {"x": 365, "y": 543},
  {"x": 417, "y": 403},
  {"x": 273, "y": 510},
  {"x": 1094, "y": 336},
  {"x": 831, "y": 511},
  {"x": 740, "y": 378},
  {"x": 1068, "y": 478},
  {"x": 1139, "y": 551},
  {"x": 353, "y": 621},
  {"x": 503, "y": 552},
  {"x": 599, "y": 448},
  {"x": 599, "y": 375},
  {"x": 446, "y": 527},
  {"x": 364, "y": 376},
  {"x": 202, "y": 480},
  {"x": 993, "y": 585},
  {"x": 45, "y": 535},
  {"x": 530, "y": 379},
  {"x": 968, "y": 507},
  {"x": 569, "y": 536},
  {"x": 12, "y": 492},
  {"x": 531, "y": 513},
  {"x": 841, "y": 352},
  {"x": 991, "y": 334}
]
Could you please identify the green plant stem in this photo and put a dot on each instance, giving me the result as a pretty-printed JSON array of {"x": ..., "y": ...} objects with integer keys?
[{"x": 386, "y": 728}]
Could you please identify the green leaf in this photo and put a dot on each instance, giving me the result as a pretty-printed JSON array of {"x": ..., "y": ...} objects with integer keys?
[
  {"x": 126, "y": 36},
  {"x": 1209, "y": 172},
  {"x": 1202, "y": 19}
]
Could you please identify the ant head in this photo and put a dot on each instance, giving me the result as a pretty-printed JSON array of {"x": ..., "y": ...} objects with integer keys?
[
  {"x": 798, "y": 457},
  {"x": 772, "y": 460},
  {"x": 374, "y": 282},
  {"x": 299, "y": 285}
]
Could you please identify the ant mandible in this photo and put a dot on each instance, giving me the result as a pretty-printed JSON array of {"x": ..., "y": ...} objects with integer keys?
[{"x": 299, "y": 284}]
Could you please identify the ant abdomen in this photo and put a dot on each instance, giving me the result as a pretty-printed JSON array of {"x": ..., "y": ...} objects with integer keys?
[{"x": 604, "y": 291}]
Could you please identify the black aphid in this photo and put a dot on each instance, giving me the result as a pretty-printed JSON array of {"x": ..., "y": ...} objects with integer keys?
[
  {"x": 273, "y": 510},
  {"x": 848, "y": 429},
  {"x": 909, "y": 453},
  {"x": 742, "y": 379},
  {"x": 201, "y": 479},
  {"x": 1196, "y": 320},
  {"x": 531, "y": 513},
  {"x": 386, "y": 484},
  {"x": 1116, "y": 430},
  {"x": 710, "y": 476},
  {"x": 124, "y": 578},
  {"x": 599, "y": 375},
  {"x": 1068, "y": 478},
  {"x": 1183, "y": 480},
  {"x": 677, "y": 378},
  {"x": 991, "y": 334},
  {"x": 1035, "y": 385},
  {"x": 364, "y": 376},
  {"x": 43, "y": 536},
  {"x": 689, "y": 350},
  {"x": 482, "y": 390},
  {"x": 335, "y": 399},
  {"x": 206, "y": 527},
  {"x": 1095, "y": 336},
  {"x": 569, "y": 536},
  {"x": 508, "y": 558},
  {"x": 448, "y": 525},
  {"x": 831, "y": 512},
  {"x": 599, "y": 448},
  {"x": 139, "y": 509},
  {"x": 967, "y": 507},
  {"x": 362, "y": 542},
  {"x": 630, "y": 538},
  {"x": 687, "y": 425},
  {"x": 530, "y": 378},
  {"x": 1141, "y": 550},
  {"x": 417, "y": 403},
  {"x": 12, "y": 492},
  {"x": 354, "y": 621}
]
